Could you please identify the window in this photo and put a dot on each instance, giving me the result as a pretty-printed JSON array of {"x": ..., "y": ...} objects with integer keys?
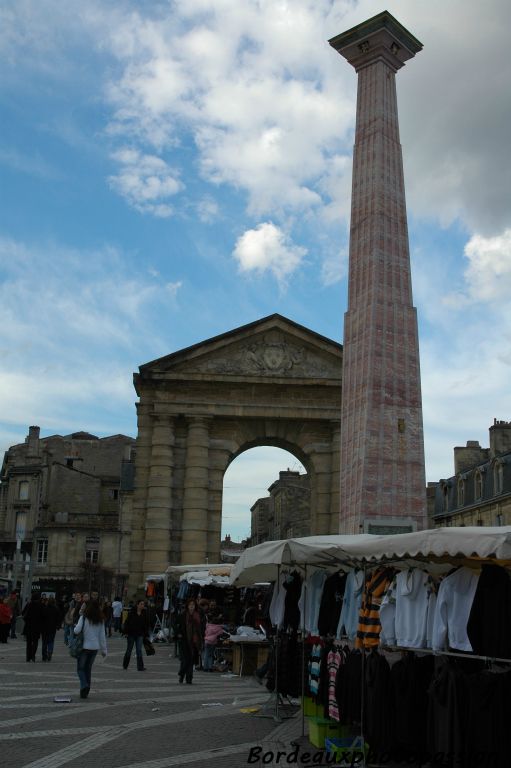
[
  {"x": 23, "y": 490},
  {"x": 498, "y": 478},
  {"x": 42, "y": 551},
  {"x": 478, "y": 485},
  {"x": 69, "y": 463},
  {"x": 113, "y": 494},
  {"x": 92, "y": 549},
  {"x": 446, "y": 498},
  {"x": 461, "y": 492}
]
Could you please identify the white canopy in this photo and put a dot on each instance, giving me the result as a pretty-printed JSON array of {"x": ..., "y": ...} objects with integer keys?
[{"x": 261, "y": 563}]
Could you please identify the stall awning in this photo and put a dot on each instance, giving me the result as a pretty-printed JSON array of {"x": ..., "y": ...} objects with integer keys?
[{"x": 261, "y": 563}]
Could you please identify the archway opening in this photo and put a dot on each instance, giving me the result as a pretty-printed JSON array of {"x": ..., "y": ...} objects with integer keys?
[{"x": 266, "y": 495}]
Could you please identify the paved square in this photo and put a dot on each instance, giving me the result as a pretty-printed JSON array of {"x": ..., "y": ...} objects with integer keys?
[{"x": 131, "y": 719}]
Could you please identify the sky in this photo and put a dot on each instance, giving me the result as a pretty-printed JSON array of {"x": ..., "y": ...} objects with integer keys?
[{"x": 170, "y": 171}]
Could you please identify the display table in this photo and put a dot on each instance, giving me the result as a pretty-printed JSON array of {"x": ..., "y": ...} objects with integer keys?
[{"x": 248, "y": 655}]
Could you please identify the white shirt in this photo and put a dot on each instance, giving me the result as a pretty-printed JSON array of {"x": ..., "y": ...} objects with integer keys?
[
  {"x": 454, "y": 601},
  {"x": 116, "y": 609},
  {"x": 94, "y": 638},
  {"x": 310, "y": 601}
]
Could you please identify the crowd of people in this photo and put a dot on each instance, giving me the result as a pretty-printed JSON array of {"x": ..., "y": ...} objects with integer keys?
[{"x": 198, "y": 627}]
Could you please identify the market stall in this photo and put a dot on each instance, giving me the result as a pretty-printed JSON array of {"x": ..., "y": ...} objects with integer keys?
[{"x": 388, "y": 625}]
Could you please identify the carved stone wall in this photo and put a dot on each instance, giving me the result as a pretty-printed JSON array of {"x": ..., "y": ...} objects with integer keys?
[{"x": 270, "y": 383}]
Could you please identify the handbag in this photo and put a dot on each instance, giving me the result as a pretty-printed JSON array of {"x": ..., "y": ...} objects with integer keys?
[
  {"x": 148, "y": 647},
  {"x": 76, "y": 643}
]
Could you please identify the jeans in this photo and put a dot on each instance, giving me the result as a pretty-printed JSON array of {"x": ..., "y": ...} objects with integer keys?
[
  {"x": 208, "y": 656},
  {"x": 48, "y": 644},
  {"x": 138, "y": 643},
  {"x": 68, "y": 631},
  {"x": 13, "y": 627},
  {"x": 84, "y": 664},
  {"x": 117, "y": 623}
]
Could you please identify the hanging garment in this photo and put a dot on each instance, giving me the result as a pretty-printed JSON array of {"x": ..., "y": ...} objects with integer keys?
[
  {"x": 447, "y": 713},
  {"x": 489, "y": 623},
  {"x": 407, "y": 609},
  {"x": 379, "y": 713},
  {"x": 310, "y": 601},
  {"x": 315, "y": 669},
  {"x": 410, "y": 678},
  {"x": 454, "y": 602},
  {"x": 331, "y": 604},
  {"x": 348, "y": 688},
  {"x": 278, "y": 602},
  {"x": 348, "y": 620},
  {"x": 334, "y": 661},
  {"x": 293, "y": 588},
  {"x": 369, "y": 627}
]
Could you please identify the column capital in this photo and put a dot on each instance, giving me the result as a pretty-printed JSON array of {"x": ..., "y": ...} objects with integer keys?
[{"x": 381, "y": 38}]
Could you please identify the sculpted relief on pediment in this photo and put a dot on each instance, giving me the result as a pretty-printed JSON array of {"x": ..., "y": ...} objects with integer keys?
[{"x": 269, "y": 356}]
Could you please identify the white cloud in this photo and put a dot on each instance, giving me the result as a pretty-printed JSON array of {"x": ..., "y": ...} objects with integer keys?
[
  {"x": 489, "y": 272},
  {"x": 146, "y": 181},
  {"x": 267, "y": 248}
]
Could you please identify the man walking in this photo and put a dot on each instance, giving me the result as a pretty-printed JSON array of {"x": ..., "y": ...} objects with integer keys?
[{"x": 117, "y": 613}]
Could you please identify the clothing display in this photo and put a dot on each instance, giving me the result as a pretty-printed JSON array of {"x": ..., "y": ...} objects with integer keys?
[
  {"x": 489, "y": 623},
  {"x": 331, "y": 604},
  {"x": 369, "y": 627},
  {"x": 348, "y": 620},
  {"x": 310, "y": 601},
  {"x": 454, "y": 602},
  {"x": 407, "y": 609}
]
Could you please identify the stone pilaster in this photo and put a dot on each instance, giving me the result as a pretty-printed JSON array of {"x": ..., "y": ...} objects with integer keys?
[
  {"x": 321, "y": 494},
  {"x": 335, "y": 478},
  {"x": 194, "y": 546},
  {"x": 382, "y": 452},
  {"x": 159, "y": 496},
  {"x": 142, "y": 465}
]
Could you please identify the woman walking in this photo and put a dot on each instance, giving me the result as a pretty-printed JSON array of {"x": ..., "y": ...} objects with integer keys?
[
  {"x": 51, "y": 622},
  {"x": 33, "y": 616},
  {"x": 136, "y": 627},
  {"x": 94, "y": 639},
  {"x": 190, "y": 640}
]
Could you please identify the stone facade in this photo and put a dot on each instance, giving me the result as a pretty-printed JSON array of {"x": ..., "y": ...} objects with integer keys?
[
  {"x": 272, "y": 382},
  {"x": 382, "y": 450},
  {"x": 479, "y": 493},
  {"x": 286, "y": 512},
  {"x": 63, "y": 495}
]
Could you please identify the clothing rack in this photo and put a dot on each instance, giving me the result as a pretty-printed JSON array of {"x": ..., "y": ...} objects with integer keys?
[{"x": 430, "y": 651}]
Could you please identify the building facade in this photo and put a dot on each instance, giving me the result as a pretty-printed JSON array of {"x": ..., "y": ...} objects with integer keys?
[
  {"x": 62, "y": 504},
  {"x": 479, "y": 492},
  {"x": 285, "y": 513}
]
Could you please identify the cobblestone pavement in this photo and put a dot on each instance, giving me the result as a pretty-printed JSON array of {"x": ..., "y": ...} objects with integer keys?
[{"x": 132, "y": 719}]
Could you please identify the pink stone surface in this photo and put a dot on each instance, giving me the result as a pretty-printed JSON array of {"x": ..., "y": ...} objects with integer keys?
[{"x": 382, "y": 446}]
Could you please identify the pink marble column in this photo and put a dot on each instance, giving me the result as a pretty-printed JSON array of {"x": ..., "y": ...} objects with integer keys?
[{"x": 382, "y": 475}]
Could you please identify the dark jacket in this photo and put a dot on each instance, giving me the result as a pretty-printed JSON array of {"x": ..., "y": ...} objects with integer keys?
[
  {"x": 136, "y": 625},
  {"x": 51, "y": 619},
  {"x": 33, "y": 616}
]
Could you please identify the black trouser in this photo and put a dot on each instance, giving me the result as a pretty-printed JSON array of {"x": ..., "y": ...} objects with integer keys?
[
  {"x": 32, "y": 641},
  {"x": 188, "y": 657},
  {"x": 4, "y": 632}
]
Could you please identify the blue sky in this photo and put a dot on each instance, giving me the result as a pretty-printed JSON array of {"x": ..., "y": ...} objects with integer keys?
[{"x": 172, "y": 170}]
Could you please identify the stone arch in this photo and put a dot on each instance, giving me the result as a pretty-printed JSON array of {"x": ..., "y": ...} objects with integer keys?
[{"x": 272, "y": 382}]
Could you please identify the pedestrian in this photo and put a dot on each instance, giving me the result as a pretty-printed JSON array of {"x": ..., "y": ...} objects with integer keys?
[
  {"x": 14, "y": 603},
  {"x": 51, "y": 622},
  {"x": 136, "y": 628},
  {"x": 33, "y": 616},
  {"x": 214, "y": 629},
  {"x": 190, "y": 637},
  {"x": 117, "y": 613},
  {"x": 68, "y": 620},
  {"x": 108, "y": 614},
  {"x": 94, "y": 639},
  {"x": 79, "y": 600},
  {"x": 5, "y": 619}
]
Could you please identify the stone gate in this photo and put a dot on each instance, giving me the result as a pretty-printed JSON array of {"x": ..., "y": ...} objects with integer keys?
[{"x": 270, "y": 383}]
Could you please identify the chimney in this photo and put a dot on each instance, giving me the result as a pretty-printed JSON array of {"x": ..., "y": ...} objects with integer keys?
[
  {"x": 469, "y": 456},
  {"x": 500, "y": 438},
  {"x": 33, "y": 441}
]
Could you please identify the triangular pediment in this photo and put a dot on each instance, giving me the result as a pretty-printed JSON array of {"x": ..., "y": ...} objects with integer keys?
[{"x": 271, "y": 347}]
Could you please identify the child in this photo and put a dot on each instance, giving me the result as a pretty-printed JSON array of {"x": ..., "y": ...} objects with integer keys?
[{"x": 213, "y": 631}]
